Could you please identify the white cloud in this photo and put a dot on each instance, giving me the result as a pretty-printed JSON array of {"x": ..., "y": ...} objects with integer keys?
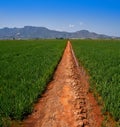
[{"x": 71, "y": 25}]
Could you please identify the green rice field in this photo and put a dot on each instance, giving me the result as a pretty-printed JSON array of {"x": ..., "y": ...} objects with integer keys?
[
  {"x": 25, "y": 69},
  {"x": 26, "y": 66},
  {"x": 101, "y": 59}
]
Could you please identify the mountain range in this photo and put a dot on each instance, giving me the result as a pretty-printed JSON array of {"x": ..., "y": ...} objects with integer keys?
[{"x": 31, "y": 32}]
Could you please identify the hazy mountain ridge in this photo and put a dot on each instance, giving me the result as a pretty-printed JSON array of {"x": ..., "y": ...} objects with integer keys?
[{"x": 30, "y": 32}]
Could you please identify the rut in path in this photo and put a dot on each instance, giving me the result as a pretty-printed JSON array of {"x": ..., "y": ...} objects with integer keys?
[{"x": 66, "y": 102}]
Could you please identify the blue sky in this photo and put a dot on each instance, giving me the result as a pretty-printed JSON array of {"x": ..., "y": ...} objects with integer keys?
[{"x": 100, "y": 16}]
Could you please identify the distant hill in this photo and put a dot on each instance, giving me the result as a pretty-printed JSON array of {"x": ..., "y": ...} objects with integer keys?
[{"x": 30, "y": 32}]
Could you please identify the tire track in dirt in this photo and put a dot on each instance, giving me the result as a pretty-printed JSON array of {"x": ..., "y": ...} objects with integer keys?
[{"x": 66, "y": 102}]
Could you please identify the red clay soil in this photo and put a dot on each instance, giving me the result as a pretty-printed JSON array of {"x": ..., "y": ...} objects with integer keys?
[{"x": 67, "y": 101}]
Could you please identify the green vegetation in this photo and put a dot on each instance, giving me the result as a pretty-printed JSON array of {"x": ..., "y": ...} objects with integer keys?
[
  {"x": 25, "y": 69},
  {"x": 27, "y": 66},
  {"x": 101, "y": 58}
]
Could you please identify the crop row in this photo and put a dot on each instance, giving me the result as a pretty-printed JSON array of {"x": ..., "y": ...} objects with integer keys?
[
  {"x": 101, "y": 58},
  {"x": 25, "y": 69}
]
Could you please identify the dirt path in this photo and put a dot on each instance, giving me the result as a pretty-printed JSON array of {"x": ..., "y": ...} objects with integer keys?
[{"x": 66, "y": 102}]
